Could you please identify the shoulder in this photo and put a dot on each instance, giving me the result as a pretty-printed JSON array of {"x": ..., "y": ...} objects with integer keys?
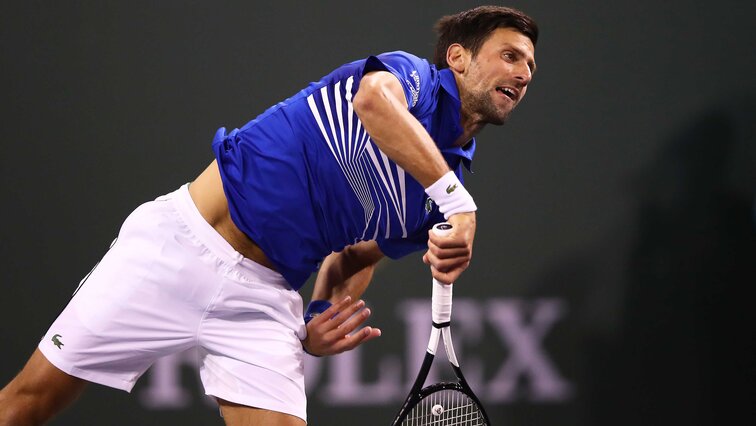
[
  {"x": 400, "y": 55},
  {"x": 398, "y": 62},
  {"x": 417, "y": 76}
]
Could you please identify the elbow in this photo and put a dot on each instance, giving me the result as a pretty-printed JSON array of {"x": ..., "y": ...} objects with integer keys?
[
  {"x": 379, "y": 100},
  {"x": 373, "y": 96},
  {"x": 365, "y": 254},
  {"x": 366, "y": 99}
]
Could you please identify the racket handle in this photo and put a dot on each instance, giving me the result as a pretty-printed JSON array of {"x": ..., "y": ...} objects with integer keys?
[{"x": 441, "y": 301}]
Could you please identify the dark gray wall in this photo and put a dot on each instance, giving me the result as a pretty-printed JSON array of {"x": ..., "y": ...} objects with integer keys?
[{"x": 616, "y": 226}]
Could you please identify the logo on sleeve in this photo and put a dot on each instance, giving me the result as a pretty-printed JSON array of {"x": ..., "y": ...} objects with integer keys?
[
  {"x": 56, "y": 341},
  {"x": 414, "y": 89},
  {"x": 429, "y": 205}
]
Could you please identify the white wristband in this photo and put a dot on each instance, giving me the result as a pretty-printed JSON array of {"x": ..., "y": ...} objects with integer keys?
[{"x": 450, "y": 196}]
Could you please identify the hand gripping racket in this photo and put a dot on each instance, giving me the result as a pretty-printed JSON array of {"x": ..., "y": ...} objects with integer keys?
[{"x": 445, "y": 403}]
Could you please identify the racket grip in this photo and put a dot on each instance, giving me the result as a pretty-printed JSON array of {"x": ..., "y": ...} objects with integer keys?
[{"x": 441, "y": 300}]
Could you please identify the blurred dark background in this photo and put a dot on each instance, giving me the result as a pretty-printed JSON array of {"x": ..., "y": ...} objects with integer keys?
[{"x": 616, "y": 241}]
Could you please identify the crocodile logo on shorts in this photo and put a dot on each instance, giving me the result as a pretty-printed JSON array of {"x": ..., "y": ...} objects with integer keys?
[
  {"x": 451, "y": 188},
  {"x": 56, "y": 341}
]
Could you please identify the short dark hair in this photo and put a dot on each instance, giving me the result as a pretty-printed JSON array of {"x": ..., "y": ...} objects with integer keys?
[{"x": 472, "y": 28}]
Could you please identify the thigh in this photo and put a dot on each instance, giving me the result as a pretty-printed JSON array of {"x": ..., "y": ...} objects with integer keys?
[
  {"x": 251, "y": 353},
  {"x": 242, "y": 415},
  {"x": 143, "y": 300}
]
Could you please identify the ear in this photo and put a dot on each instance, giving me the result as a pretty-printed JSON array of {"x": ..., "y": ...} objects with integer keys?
[{"x": 457, "y": 57}]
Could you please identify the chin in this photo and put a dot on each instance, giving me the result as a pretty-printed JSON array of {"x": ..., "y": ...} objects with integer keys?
[{"x": 499, "y": 119}]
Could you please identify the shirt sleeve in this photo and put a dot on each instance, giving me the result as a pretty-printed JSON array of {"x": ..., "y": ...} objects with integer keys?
[
  {"x": 396, "y": 248},
  {"x": 414, "y": 74}
]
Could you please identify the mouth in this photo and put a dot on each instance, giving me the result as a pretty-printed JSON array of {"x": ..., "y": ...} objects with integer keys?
[{"x": 509, "y": 92}]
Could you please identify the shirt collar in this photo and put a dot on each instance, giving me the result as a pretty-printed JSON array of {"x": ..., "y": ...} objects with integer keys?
[{"x": 449, "y": 86}]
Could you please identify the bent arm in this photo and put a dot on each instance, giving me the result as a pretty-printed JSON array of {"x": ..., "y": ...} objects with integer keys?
[
  {"x": 382, "y": 108},
  {"x": 343, "y": 277},
  {"x": 347, "y": 273}
]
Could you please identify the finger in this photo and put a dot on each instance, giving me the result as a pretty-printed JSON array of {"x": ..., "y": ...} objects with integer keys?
[
  {"x": 352, "y": 341},
  {"x": 337, "y": 335},
  {"x": 446, "y": 277},
  {"x": 331, "y": 311},
  {"x": 449, "y": 265},
  {"x": 456, "y": 240},
  {"x": 347, "y": 312},
  {"x": 447, "y": 253},
  {"x": 341, "y": 305},
  {"x": 449, "y": 241},
  {"x": 445, "y": 260},
  {"x": 355, "y": 321}
]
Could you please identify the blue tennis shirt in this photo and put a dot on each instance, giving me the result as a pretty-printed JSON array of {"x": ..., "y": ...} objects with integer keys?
[{"x": 304, "y": 178}]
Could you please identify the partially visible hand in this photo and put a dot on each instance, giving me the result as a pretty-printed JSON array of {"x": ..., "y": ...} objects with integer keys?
[
  {"x": 332, "y": 331},
  {"x": 449, "y": 256}
]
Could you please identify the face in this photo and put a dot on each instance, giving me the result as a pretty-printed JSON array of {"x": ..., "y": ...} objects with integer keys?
[{"x": 496, "y": 79}]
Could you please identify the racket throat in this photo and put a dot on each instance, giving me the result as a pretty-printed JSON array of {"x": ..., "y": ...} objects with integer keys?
[
  {"x": 423, "y": 373},
  {"x": 443, "y": 330},
  {"x": 414, "y": 394}
]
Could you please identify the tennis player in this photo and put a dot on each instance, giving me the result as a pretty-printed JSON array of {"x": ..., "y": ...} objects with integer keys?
[{"x": 354, "y": 167}]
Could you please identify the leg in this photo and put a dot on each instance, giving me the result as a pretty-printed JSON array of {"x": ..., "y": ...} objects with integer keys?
[
  {"x": 241, "y": 415},
  {"x": 251, "y": 354},
  {"x": 39, "y": 392}
]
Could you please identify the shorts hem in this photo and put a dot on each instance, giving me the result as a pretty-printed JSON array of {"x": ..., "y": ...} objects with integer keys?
[
  {"x": 256, "y": 402},
  {"x": 90, "y": 376}
]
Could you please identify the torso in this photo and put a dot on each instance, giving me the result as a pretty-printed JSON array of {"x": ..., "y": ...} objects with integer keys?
[
  {"x": 304, "y": 178},
  {"x": 207, "y": 193}
]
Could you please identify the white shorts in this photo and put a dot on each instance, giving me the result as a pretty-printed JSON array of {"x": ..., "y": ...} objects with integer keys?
[{"x": 170, "y": 282}]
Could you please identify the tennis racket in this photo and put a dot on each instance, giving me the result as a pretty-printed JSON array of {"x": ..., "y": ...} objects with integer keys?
[{"x": 444, "y": 403}]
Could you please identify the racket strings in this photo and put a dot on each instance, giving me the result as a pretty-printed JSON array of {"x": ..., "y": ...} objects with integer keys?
[{"x": 445, "y": 408}]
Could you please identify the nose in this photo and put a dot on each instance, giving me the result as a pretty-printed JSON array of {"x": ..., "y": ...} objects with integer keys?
[{"x": 522, "y": 73}]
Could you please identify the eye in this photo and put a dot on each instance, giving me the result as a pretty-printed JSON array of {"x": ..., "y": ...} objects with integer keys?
[{"x": 509, "y": 56}]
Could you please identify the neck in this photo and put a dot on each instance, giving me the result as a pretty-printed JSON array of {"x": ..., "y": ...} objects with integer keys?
[
  {"x": 470, "y": 127},
  {"x": 471, "y": 122}
]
